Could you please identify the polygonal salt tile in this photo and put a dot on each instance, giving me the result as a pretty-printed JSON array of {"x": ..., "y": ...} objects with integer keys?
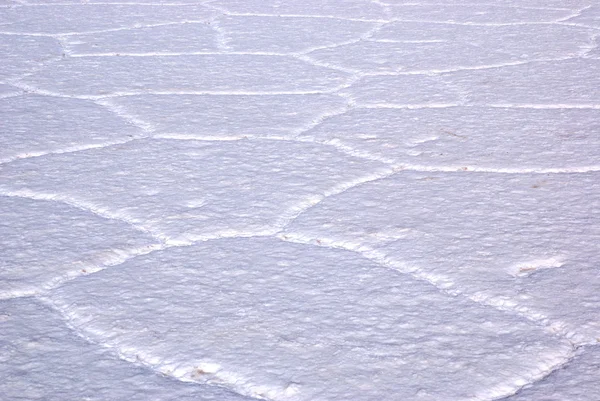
[
  {"x": 35, "y": 125},
  {"x": 506, "y": 139},
  {"x": 229, "y": 116},
  {"x": 545, "y": 83},
  {"x": 390, "y": 57},
  {"x": 74, "y": 18},
  {"x": 288, "y": 34},
  {"x": 43, "y": 360},
  {"x": 577, "y": 381},
  {"x": 471, "y": 46},
  {"x": 540, "y": 280},
  {"x": 176, "y": 38},
  {"x": 223, "y": 73},
  {"x": 288, "y": 321},
  {"x": 418, "y": 31},
  {"x": 475, "y": 13},
  {"x": 21, "y": 54},
  {"x": 357, "y": 9},
  {"x": 44, "y": 243},
  {"x": 182, "y": 189},
  {"x": 524, "y": 242},
  {"x": 402, "y": 90}
]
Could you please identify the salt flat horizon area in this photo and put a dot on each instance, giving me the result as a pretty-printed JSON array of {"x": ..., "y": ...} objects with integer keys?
[{"x": 285, "y": 200}]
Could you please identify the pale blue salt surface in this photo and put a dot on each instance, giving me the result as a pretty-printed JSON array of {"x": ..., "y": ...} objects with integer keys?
[
  {"x": 453, "y": 137},
  {"x": 21, "y": 54},
  {"x": 77, "y": 18},
  {"x": 185, "y": 190},
  {"x": 299, "y": 200},
  {"x": 279, "y": 320},
  {"x": 426, "y": 46},
  {"x": 69, "y": 242},
  {"x": 204, "y": 73},
  {"x": 230, "y": 116},
  {"x": 509, "y": 230},
  {"x": 36, "y": 125},
  {"x": 169, "y": 38},
  {"x": 571, "y": 383},
  {"x": 44, "y": 359}
]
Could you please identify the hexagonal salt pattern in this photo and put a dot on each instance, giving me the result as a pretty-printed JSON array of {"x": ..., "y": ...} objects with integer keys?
[
  {"x": 410, "y": 47},
  {"x": 185, "y": 74},
  {"x": 42, "y": 359},
  {"x": 230, "y": 116},
  {"x": 45, "y": 242},
  {"x": 36, "y": 125},
  {"x": 523, "y": 242},
  {"x": 476, "y": 138},
  {"x": 185, "y": 190},
  {"x": 280, "y": 320},
  {"x": 299, "y": 200}
]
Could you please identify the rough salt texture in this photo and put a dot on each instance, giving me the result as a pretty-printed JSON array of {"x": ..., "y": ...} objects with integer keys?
[
  {"x": 187, "y": 190},
  {"x": 522, "y": 242},
  {"x": 23, "y": 54},
  {"x": 172, "y": 74},
  {"x": 299, "y": 200},
  {"x": 43, "y": 359},
  {"x": 45, "y": 242},
  {"x": 36, "y": 125},
  {"x": 262, "y": 116},
  {"x": 69, "y": 19},
  {"x": 572, "y": 382},
  {"x": 512, "y": 139},
  {"x": 279, "y": 320}
]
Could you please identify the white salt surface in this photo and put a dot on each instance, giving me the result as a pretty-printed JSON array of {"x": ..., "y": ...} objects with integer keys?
[
  {"x": 205, "y": 73},
  {"x": 22, "y": 54},
  {"x": 44, "y": 359},
  {"x": 508, "y": 240},
  {"x": 36, "y": 125},
  {"x": 185, "y": 190},
  {"x": 570, "y": 383},
  {"x": 321, "y": 331},
  {"x": 45, "y": 243},
  {"x": 81, "y": 18},
  {"x": 169, "y": 38},
  {"x": 299, "y": 200},
  {"x": 230, "y": 116},
  {"x": 512, "y": 139}
]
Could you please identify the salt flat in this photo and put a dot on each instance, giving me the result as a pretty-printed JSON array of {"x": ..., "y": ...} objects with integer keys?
[{"x": 299, "y": 200}]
